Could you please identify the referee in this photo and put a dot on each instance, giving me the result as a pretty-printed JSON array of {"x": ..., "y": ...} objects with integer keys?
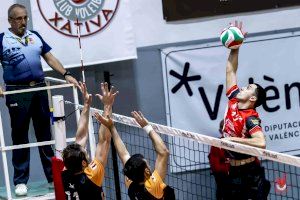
[{"x": 20, "y": 55}]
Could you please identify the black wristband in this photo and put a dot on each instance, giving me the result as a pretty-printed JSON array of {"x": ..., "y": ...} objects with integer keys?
[{"x": 67, "y": 73}]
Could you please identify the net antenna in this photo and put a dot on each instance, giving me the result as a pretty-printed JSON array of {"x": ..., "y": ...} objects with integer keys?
[{"x": 80, "y": 49}]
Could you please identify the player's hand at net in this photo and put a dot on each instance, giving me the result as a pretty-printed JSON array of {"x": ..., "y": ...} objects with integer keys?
[
  {"x": 86, "y": 96},
  {"x": 108, "y": 96},
  {"x": 108, "y": 122},
  {"x": 139, "y": 118}
]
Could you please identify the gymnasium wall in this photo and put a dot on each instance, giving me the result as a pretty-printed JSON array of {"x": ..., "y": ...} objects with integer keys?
[{"x": 140, "y": 81}]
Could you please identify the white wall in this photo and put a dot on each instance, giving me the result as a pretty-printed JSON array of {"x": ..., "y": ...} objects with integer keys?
[
  {"x": 3, "y": 14},
  {"x": 152, "y": 29}
]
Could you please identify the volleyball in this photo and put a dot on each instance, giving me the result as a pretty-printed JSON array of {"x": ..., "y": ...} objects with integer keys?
[{"x": 232, "y": 37}]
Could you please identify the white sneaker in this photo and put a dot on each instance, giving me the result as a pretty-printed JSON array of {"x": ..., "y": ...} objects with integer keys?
[{"x": 21, "y": 190}]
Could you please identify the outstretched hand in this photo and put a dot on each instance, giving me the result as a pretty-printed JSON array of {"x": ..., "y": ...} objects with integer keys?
[
  {"x": 86, "y": 96},
  {"x": 139, "y": 118},
  {"x": 108, "y": 122},
  {"x": 71, "y": 79},
  {"x": 108, "y": 96},
  {"x": 240, "y": 26}
]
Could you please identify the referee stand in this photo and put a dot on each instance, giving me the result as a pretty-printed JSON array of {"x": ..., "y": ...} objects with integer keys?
[{"x": 40, "y": 190}]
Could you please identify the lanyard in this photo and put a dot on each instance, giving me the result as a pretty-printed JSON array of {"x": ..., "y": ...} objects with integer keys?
[{"x": 24, "y": 43}]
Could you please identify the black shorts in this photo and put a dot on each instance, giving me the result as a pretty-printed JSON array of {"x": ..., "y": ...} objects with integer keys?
[{"x": 247, "y": 182}]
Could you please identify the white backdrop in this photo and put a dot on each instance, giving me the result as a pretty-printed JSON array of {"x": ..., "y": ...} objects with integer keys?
[
  {"x": 271, "y": 61},
  {"x": 114, "y": 42},
  {"x": 4, "y": 25}
]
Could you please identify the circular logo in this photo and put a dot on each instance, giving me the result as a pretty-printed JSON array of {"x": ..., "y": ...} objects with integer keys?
[{"x": 67, "y": 16}]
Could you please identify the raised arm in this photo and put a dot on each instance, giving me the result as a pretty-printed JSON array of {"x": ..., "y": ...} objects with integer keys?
[
  {"x": 82, "y": 129},
  {"x": 232, "y": 63},
  {"x": 119, "y": 145},
  {"x": 107, "y": 98},
  {"x": 162, "y": 151},
  {"x": 231, "y": 68}
]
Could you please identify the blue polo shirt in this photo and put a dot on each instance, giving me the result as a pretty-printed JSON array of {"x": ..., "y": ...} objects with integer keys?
[{"x": 21, "y": 57}]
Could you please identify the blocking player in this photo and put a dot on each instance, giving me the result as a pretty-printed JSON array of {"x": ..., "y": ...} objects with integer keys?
[
  {"x": 83, "y": 179},
  {"x": 142, "y": 183}
]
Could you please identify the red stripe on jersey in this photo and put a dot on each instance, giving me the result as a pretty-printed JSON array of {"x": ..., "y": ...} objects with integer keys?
[
  {"x": 231, "y": 90},
  {"x": 255, "y": 129}
]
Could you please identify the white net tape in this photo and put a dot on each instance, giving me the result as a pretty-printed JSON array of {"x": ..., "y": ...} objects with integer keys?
[{"x": 204, "y": 139}]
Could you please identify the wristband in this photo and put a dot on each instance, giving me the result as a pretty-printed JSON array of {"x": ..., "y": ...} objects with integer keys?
[
  {"x": 148, "y": 128},
  {"x": 67, "y": 73}
]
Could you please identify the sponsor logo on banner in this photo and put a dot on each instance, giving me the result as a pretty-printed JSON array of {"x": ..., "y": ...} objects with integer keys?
[
  {"x": 280, "y": 185},
  {"x": 270, "y": 155},
  {"x": 195, "y": 88},
  {"x": 191, "y": 85},
  {"x": 65, "y": 16}
]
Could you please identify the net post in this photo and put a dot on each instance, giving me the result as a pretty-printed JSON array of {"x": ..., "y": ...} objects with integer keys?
[
  {"x": 113, "y": 150},
  {"x": 59, "y": 128},
  {"x": 48, "y": 83},
  {"x": 59, "y": 124},
  {"x": 4, "y": 161}
]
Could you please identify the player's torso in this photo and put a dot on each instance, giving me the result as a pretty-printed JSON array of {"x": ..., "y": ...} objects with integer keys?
[
  {"x": 80, "y": 187},
  {"x": 235, "y": 120}
]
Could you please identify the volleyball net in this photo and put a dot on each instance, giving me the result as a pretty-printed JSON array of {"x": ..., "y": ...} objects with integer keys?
[{"x": 189, "y": 172}]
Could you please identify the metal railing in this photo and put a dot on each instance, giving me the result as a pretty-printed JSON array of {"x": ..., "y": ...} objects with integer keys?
[{"x": 4, "y": 148}]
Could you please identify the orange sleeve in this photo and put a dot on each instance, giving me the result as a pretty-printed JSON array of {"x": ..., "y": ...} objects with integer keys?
[
  {"x": 162, "y": 185},
  {"x": 95, "y": 172},
  {"x": 155, "y": 185}
]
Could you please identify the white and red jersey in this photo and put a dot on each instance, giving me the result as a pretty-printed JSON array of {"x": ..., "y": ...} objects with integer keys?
[{"x": 240, "y": 123}]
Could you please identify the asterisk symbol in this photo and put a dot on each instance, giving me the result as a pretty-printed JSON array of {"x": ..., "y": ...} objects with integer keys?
[{"x": 184, "y": 79}]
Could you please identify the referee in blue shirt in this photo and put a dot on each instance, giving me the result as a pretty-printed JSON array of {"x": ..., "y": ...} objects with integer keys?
[{"x": 20, "y": 55}]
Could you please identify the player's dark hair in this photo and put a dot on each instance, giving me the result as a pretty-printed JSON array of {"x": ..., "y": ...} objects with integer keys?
[
  {"x": 221, "y": 126},
  {"x": 73, "y": 156},
  {"x": 135, "y": 167},
  {"x": 260, "y": 95}
]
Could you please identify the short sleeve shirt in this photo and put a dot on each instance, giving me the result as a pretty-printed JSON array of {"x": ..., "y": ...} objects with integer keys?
[
  {"x": 87, "y": 185},
  {"x": 239, "y": 122},
  {"x": 95, "y": 172},
  {"x": 154, "y": 185},
  {"x": 21, "y": 57}
]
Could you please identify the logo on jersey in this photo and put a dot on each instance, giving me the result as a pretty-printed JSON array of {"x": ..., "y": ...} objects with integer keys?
[
  {"x": 13, "y": 56},
  {"x": 255, "y": 121},
  {"x": 65, "y": 16}
]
